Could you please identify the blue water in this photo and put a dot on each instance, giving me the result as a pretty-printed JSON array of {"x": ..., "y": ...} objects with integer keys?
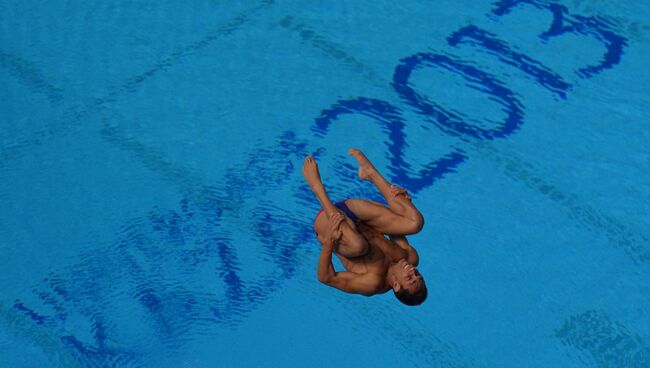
[{"x": 154, "y": 215}]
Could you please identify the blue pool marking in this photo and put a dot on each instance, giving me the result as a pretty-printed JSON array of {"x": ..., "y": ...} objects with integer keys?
[
  {"x": 194, "y": 236},
  {"x": 31, "y": 76},
  {"x": 46, "y": 340},
  {"x": 391, "y": 119},
  {"x": 455, "y": 124},
  {"x": 452, "y": 123},
  {"x": 564, "y": 22},
  {"x": 540, "y": 73},
  {"x": 328, "y": 47},
  {"x": 30, "y": 313},
  {"x": 75, "y": 116},
  {"x": 232, "y": 25},
  {"x": 634, "y": 244},
  {"x": 101, "y": 355}
]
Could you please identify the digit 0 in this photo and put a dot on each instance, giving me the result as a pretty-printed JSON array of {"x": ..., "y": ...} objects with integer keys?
[
  {"x": 540, "y": 73},
  {"x": 449, "y": 122}
]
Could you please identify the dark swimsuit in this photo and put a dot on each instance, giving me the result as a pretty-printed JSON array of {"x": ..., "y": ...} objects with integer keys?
[{"x": 343, "y": 207}]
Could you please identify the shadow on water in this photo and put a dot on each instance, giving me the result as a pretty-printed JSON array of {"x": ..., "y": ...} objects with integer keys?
[
  {"x": 28, "y": 74},
  {"x": 607, "y": 343},
  {"x": 633, "y": 243},
  {"x": 331, "y": 49}
]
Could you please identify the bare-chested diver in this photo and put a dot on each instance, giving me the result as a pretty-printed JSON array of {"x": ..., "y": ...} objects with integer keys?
[{"x": 354, "y": 230}]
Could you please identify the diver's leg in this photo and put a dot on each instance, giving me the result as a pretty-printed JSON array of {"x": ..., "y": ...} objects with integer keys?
[
  {"x": 400, "y": 218},
  {"x": 350, "y": 239},
  {"x": 312, "y": 176}
]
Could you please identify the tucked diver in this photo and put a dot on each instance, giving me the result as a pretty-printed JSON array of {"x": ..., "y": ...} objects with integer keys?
[{"x": 354, "y": 230}]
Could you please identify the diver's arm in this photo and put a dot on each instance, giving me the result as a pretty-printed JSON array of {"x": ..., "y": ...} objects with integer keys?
[
  {"x": 347, "y": 281},
  {"x": 325, "y": 267},
  {"x": 329, "y": 240},
  {"x": 350, "y": 282},
  {"x": 354, "y": 283}
]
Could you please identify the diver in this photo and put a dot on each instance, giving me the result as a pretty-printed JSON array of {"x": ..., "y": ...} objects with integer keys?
[{"x": 354, "y": 229}]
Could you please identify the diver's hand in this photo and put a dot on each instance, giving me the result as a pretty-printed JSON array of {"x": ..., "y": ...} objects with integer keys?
[
  {"x": 396, "y": 191},
  {"x": 333, "y": 235}
]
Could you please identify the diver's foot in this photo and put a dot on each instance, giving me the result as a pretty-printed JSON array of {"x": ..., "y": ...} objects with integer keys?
[
  {"x": 366, "y": 170},
  {"x": 310, "y": 172}
]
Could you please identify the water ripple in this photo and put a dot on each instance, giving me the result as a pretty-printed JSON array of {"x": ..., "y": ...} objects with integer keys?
[{"x": 179, "y": 271}]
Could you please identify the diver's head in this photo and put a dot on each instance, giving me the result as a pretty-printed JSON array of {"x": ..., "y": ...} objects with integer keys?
[{"x": 407, "y": 283}]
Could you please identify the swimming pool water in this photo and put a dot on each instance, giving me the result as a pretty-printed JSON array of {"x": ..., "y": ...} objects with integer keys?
[{"x": 154, "y": 215}]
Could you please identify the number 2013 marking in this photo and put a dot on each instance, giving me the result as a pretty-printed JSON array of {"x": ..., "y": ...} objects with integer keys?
[{"x": 456, "y": 124}]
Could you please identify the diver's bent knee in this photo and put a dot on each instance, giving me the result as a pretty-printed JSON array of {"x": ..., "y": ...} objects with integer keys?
[
  {"x": 356, "y": 249},
  {"x": 362, "y": 249},
  {"x": 415, "y": 225}
]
